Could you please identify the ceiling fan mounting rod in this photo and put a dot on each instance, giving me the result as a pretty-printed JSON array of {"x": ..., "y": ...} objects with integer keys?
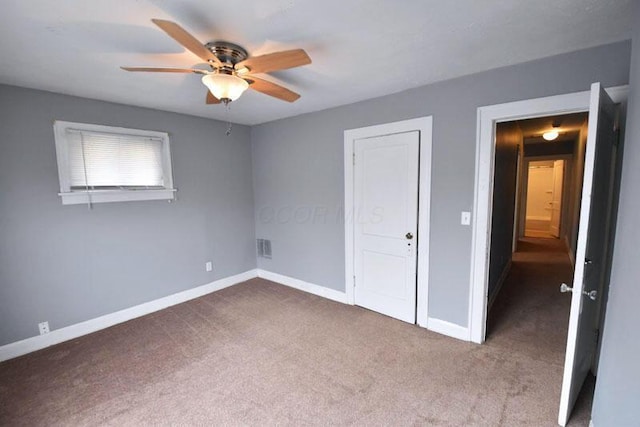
[
  {"x": 227, "y": 53},
  {"x": 225, "y": 69}
]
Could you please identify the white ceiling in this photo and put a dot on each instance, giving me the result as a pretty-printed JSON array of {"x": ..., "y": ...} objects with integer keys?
[{"x": 360, "y": 48}]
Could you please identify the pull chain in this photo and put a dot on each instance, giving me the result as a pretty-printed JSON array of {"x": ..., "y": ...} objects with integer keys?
[{"x": 228, "y": 108}]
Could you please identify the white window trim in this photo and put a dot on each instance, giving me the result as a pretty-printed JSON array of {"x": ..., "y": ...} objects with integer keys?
[{"x": 70, "y": 197}]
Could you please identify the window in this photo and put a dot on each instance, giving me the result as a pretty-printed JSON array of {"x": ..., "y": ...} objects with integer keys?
[{"x": 108, "y": 164}]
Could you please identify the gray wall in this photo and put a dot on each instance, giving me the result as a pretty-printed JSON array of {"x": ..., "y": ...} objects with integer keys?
[
  {"x": 618, "y": 386},
  {"x": 298, "y": 167},
  {"x": 66, "y": 264},
  {"x": 508, "y": 144}
]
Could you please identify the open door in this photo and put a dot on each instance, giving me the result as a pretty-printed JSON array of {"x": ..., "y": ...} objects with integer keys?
[
  {"x": 556, "y": 198},
  {"x": 591, "y": 259}
]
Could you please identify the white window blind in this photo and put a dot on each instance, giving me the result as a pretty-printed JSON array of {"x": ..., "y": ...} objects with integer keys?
[
  {"x": 100, "y": 160},
  {"x": 99, "y": 163}
]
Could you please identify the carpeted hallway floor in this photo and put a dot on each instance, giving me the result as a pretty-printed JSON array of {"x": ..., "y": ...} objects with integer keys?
[
  {"x": 259, "y": 353},
  {"x": 531, "y": 316}
]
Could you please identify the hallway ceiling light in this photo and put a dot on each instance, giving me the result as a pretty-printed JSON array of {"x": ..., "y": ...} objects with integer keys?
[
  {"x": 550, "y": 135},
  {"x": 553, "y": 133}
]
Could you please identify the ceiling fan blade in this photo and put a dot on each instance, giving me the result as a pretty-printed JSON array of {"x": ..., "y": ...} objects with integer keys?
[
  {"x": 271, "y": 89},
  {"x": 275, "y": 61},
  {"x": 165, "y": 70},
  {"x": 181, "y": 35},
  {"x": 212, "y": 99}
]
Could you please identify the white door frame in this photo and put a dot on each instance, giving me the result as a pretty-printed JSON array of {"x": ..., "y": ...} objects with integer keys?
[
  {"x": 488, "y": 117},
  {"x": 424, "y": 125}
]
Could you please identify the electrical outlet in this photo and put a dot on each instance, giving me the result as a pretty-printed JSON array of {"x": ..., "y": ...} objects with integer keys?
[
  {"x": 208, "y": 266},
  {"x": 43, "y": 327}
]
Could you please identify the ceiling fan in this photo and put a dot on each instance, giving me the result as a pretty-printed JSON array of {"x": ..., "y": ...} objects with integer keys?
[{"x": 232, "y": 69}]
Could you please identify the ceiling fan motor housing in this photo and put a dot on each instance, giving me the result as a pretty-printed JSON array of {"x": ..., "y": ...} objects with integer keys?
[{"x": 228, "y": 53}]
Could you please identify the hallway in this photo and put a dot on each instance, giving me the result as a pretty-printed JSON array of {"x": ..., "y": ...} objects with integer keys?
[{"x": 530, "y": 316}]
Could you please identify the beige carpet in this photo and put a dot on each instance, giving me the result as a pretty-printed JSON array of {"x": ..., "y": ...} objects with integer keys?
[{"x": 259, "y": 353}]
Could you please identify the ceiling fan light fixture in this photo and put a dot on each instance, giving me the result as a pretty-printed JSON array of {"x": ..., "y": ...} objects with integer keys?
[
  {"x": 230, "y": 65},
  {"x": 225, "y": 86},
  {"x": 550, "y": 135}
]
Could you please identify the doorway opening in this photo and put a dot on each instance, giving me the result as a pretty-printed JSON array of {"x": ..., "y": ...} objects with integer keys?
[
  {"x": 527, "y": 313},
  {"x": 545, "y": 185},
  {"x": 534, "y": 201},
  {"x": 582, "y": 250}
]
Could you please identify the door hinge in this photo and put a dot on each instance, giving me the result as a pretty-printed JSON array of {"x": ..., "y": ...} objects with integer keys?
[
  {"x": 354, "y": 158},
  {"x": 354, "y": 281}
]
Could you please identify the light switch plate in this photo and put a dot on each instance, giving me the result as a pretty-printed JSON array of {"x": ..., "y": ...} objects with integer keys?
[
  {"x": 465, "y": 218},
  {"x": 208, "y": 266}
]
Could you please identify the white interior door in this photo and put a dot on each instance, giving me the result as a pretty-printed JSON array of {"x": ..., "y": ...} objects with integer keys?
[
  {"x": 556, "y": 198},
  {"x": 591, "y": 253},
  {"x": 386, "y": 222}
]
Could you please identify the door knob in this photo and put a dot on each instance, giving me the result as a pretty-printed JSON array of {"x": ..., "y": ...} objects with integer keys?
[
  {"x": 409, "y": 236},
  {"x": 591, "y": 294}
]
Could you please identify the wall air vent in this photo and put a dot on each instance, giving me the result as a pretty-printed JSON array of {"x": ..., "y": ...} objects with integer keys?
[{"x": 264, "y": 248}]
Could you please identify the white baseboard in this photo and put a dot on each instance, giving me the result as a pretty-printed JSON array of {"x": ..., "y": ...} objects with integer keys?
[
  {"x": 501, "y": 280},
  {"x": 301, "y": 285},
  {"x": 449, "y": 329},
  {"x": 435, "y": 325},
  {"x": 19, "y": 348}
]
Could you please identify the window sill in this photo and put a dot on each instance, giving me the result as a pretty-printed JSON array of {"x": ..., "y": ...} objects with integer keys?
[{"x": 106, "y": 196}]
